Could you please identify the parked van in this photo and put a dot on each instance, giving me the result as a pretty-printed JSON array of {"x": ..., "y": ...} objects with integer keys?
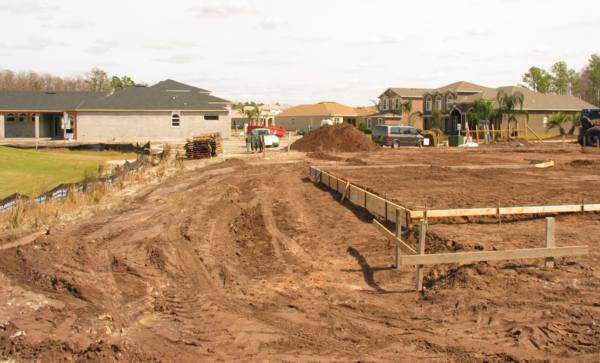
[{"x": 396, "y": 136}]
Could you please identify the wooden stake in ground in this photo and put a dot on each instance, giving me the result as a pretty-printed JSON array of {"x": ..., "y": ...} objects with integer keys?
[
  {"x": 421, "y": 251},
  {"x": 399, "y": 235},
  {"x": 550, "y": 242}
]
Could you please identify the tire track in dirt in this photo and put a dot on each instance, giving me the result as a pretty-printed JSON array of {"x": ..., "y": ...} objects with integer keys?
[{"x": 251, "y": 263}]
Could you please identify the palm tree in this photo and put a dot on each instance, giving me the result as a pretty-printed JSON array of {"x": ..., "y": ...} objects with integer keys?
[
  {"x": 411, "y": 117},
  {"x": 406, "y": 106},
  {"x": 575, "y": 123},
  {"x": 251, "y": 112},
  {"x": 510, "y": 105},
  {"x": 435, "y": 122},
  {"x": 558, "y": 121},
  {"x": 482, "y": 111}
]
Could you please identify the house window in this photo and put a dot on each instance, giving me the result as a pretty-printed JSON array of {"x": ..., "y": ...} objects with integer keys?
[
  {"x": 22, "y": 117},
  {"x": 428, "y": 103},
  {"x": 438, "y": 102},
  {"x": 379, "y": 121},
  {"x": 385, "y": 104},
  {"x": 449, "y": 102},
  {"x": 211, "y": 117},
  {"x": 10, "y": 117},
  {"x": 369, "y": 123},
  {"x": 175, "y": 120}
]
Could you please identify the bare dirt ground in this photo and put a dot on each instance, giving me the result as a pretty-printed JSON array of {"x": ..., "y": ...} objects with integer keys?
[{"x": 250, "y": 261}]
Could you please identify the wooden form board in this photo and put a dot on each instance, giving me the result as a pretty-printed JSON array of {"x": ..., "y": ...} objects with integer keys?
[
  {"x": 386, "y": 209},
  {"x": 375, "y": 204},
  {"x": 468, "y": 257},
  {"x": 404, "y": 246},
  {"x": 543, "y": 209}
]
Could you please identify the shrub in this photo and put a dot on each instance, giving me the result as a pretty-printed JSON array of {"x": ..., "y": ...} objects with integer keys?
[{"x": 364, "y": 128}]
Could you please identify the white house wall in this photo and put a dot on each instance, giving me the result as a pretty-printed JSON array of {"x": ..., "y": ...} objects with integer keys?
[{"x": 112, "y": 125}]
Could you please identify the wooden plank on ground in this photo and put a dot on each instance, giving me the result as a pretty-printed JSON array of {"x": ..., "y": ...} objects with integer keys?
[
  {"x": 404, "y": 246},
  {"x": 547, "y": 164},
  {"x": 468, "y": 257}
]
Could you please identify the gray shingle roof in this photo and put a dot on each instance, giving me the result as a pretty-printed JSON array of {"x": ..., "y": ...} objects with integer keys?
[
  {"x": 149, "y": 98},
  {"x": 44, "y": 101},
  {"x": 165, "y": 95},
  {"x": 171, "y": 85}
]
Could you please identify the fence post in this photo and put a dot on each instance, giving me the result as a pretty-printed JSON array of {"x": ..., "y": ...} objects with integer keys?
[
  {"x": 421, "y": 251},
  {"x": 550, "y": 241},
  {"x": 399, "y": 235}
]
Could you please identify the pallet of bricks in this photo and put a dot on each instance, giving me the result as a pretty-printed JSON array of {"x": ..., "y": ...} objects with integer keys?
[{"x": 203, "y": 146}]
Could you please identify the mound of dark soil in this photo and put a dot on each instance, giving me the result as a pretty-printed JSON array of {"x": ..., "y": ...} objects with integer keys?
[
  {"x": 583, "y": 162},
  {"x": 336, "y": 138}
]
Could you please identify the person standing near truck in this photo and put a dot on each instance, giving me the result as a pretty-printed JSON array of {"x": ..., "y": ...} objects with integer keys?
[{"x": 249, "y": 147}]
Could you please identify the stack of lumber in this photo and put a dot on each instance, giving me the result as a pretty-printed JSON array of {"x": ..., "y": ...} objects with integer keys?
[{"x": 203, "y": 146}]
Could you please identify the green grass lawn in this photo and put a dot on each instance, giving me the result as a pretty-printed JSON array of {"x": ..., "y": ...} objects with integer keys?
[{"x": 32, "y": 172}]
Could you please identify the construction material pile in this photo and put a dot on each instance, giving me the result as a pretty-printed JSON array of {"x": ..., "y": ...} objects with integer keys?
[
  {"x": 203, "y": 146},
  {"x": 336, "y": 138}
]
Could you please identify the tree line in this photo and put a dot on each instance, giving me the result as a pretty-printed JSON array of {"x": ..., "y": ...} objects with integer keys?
[
  {"x": 94, "y": 80},
  {"x": 562, "y": 80}
]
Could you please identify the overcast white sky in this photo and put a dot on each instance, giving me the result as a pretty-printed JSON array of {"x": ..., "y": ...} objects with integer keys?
[{"x": 299, "y": 51}]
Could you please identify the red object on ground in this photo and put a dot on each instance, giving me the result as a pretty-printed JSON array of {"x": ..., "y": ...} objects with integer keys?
[{"x": 279, "y": 132}]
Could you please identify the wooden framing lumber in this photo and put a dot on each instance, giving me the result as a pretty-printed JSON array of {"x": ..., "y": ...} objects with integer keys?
[
  {"x": 345, "y": 192},
  {"x": 547, "y": 164},
  {"x": 534, "y": 134},
  {"x": 386, "y": 209},
  {"x": 591, "y": 207},
  {"x": 469, "y": 257},
  {"x": 550, "y": 242},
  {"x": 421, "y": 252},
  {"x": 542, "y": 209},
  {"x": 404, "y": 247},
  {"x": 399, "y": 236}
]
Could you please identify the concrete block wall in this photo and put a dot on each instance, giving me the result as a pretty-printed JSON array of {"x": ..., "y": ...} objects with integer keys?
[{"x": 133, "y": 125}]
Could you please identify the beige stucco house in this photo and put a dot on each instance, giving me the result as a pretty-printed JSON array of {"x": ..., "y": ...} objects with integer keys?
[
  {"x": 312, "y": 116},
  {"x": 266, "y": 115},
  {"x": 168, "y": 110},
  {"x": 455, "y": 100},
  {"x": 390, "y": 110}
]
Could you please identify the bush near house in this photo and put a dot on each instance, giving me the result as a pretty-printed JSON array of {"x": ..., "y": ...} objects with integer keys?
[
  {"x": 365, "y": 129},
  {"x": 32, "y": 172}
]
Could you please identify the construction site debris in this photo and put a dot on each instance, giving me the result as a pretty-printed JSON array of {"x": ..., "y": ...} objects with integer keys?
[{"x": 203, "y": 146}]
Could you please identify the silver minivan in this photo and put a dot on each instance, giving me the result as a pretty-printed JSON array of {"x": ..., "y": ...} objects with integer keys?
[{"x": 395, "y": 136}]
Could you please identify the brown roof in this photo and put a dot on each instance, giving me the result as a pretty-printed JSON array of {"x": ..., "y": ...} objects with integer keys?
[
  {"x": 409, "y": 92},
  {"x": 366, "y": 110},
  {"x": 533, "y": 101},
  {"x": 461, "y": 87},
  {"x": 320, "y": 109}
]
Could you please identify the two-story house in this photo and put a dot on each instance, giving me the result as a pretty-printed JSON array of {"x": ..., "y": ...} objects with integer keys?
[
  {"x": 444, "y": 99},
  {"x": 399, "y": 106},
  {"x": 455, "y": 101}
]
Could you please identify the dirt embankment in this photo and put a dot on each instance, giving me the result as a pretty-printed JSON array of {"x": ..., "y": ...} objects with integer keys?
[
  {"x": 254, "y": 263},
  {"x": 336, "y": 138}
]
